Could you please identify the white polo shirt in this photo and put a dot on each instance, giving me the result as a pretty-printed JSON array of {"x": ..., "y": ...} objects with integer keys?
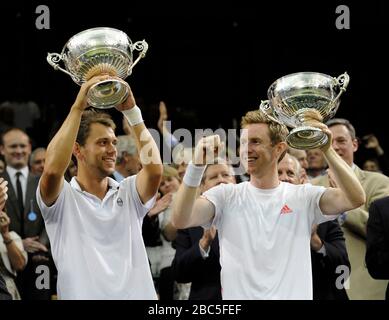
[
  {"x": 97, "y": 245},
  {"x": 264, "y": 238}
]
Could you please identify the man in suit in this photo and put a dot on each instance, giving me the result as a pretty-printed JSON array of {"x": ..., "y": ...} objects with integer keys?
[
  {"x": 362, "y": 285},
  {"x": 197, "y": 250},
  {"x": 22, "y": 208},
  {"x": 377, "y": 251},
  {"x": 328, "y": 248}
]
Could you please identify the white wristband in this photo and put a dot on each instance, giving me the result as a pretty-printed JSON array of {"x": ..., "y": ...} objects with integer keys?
[
  {"x": 134, "y": 116},
  {"x": 193, "y": 175}
]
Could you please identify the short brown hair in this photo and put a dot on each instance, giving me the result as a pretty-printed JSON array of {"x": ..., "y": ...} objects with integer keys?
[
  {"x": 343, "y": 122},
  {"x": 88, "y": 118},
  {"x": 278, "y": 132},
  {"x": 10, "y": 130}
]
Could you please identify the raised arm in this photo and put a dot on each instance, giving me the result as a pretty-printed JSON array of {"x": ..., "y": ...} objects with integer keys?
[
  {"x": 149, "y": 178},
  {"x": 60, "y": 149},
  {"x": 348, "y": 193},
  {"x": 188, "y": 209},
  {"x": 169, "y": 139}
]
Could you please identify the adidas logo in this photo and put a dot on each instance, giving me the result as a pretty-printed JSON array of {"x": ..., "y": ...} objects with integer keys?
[{"x": 285, "y": 209}]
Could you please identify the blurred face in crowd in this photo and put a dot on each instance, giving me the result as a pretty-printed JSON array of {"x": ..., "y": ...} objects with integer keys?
[
  {"x": 316, "y": 159},
  {"x": 133, "y": 165},
  {"x": 288, "y": 170},
  {"x": 370, "y": 165},
  {"x": 99, "y": 152},
  {"x": 256, "y": 150},
  {"x": 169, "y": 185},
  {"x": 301, "y": 156},
  {"x": 16, "y": 149},
  {"x": 343, "y": 143},
  {"x": 216, "y": 174},
  {"x": 2, "y": 166},
  {"x": 38, "y": 162}
]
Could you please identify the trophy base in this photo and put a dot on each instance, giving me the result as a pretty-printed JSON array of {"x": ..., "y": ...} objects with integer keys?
[
  {"x": 108, "y": 93},
  {"x": 305, "y": 138}
]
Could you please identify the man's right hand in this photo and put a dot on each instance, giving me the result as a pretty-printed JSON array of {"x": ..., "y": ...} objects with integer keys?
[
  {"x": 207, "y": 150},
  {"x": 81, "y": 102},
  {"x": 32, "y": 245}
]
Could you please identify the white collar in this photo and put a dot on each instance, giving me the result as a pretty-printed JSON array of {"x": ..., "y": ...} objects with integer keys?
[
  {"x": 12, "y": 172},
  {"x": 111, "y": 183}
]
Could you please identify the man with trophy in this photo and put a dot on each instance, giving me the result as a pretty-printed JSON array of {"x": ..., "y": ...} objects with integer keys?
[
  {"x": 95, "y": 223},
  {"x": 265, "y": 225}
]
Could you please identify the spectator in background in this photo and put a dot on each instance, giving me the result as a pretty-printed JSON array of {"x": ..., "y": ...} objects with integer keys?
[
  {"x": 13, "y": 257},
  {"x": 378, "y": 161},
  {"x": 180, "y": 154},
  {"x": 376, "y": 186},
  {"x": 371, "y": 165},
  {"x": 24, "y": 213},
  {"x": 301, "y": 156},
  {"x": 316, "y": 163},
  {"x": 377, "y": 243},
  {"x": 37, "y": 161},
  {"x": 127, "y": 161}
]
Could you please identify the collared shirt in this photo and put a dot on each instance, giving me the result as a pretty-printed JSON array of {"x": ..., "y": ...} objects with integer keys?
[
  {"x": 23, "y": 179},
  {"x": 97, "y": 244},
  {"x": 118, "y": 176}
]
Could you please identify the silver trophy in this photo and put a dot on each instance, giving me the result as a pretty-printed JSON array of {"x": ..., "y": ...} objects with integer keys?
[
  {"x": 96, "y": 51},
  {"x": 299, "y": 99}
]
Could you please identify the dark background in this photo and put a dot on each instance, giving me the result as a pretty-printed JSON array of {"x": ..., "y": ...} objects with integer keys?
[{"x": 209, "y": 61}]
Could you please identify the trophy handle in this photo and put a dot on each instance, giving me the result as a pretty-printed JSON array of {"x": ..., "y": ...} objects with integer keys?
[
  {"x": 268, "y": 110},
  {"x": 53, "y": 59},
  {"x": 341, "y": 81},
  {"x": 139, "y": 46}
]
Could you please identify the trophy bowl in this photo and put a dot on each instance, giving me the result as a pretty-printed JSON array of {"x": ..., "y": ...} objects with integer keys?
[
  {"x": 299, "y": 99},
  {"x": 97, "y": 51}
]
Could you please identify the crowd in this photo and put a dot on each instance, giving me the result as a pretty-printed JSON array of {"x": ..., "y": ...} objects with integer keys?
[{"x": 106, "y": 219}]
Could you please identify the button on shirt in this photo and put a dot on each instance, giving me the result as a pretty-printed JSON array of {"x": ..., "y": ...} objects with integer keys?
[{"x": 97, "y": 245}]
